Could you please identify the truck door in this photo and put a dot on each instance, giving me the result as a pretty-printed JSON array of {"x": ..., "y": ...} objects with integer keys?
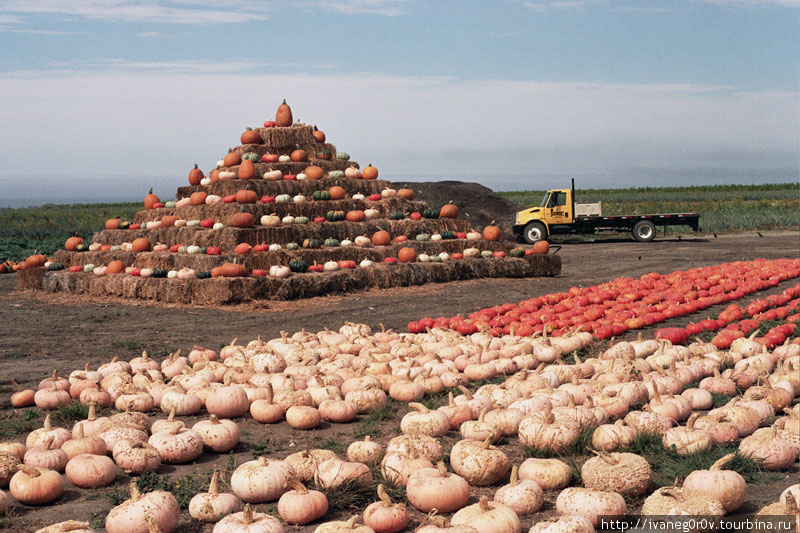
[{"x": 558, "y": 209}]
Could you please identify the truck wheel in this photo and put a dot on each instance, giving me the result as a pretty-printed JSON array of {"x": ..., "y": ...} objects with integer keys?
[
  {"x": 644, "y": 231},
  {"x": 534, "y": 232}
]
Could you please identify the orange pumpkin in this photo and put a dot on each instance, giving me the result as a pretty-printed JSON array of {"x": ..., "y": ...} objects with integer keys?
[
  {"x": 231, "y": 159},
  {"x": 35, "y": 260},
  {"x": 243, "y": 248},
  {"x": 150, "y": 199},
  {"x": 195, "y": 175},
  {"x": 492, "y": 232},
  {"x": 246, "y": 196},
  {"x": 298, "y": 155},
  {"x": 314, "y": 172},
  {"x": 113, "y": 223},
  {"x": 247, "y": 170},
  {"x": 356, "y": 216},
  {"x": 337, "y": 193},
  {"x": 214, "y": 175},
  {"x": 319, "y": 136},
  {"x": 198, "y": 198},
  {"x": 243, "y": 219},
  {"x": 541, "y": 247},
  {"x": 73, "y": 242},
  {"x": 283, "y": 116},
  {"x": 105, "y": 248},
  {"x": 381, "y": 238},
  {"x": 140, "y": 245},
  {"x": 250, "y": 136},
  {"x": 228, "y": 270},
  {"x": 167, "y": 221},
  {"x": 449, "y": 211},
  {"x": 115, "y": 267},
  {"x": 407, "y": 255},
  {"x": 408, "y": 194},
  {"x": 369, "y": 173}
]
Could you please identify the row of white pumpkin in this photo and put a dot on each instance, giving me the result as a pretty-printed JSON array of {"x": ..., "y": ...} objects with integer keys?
[{"x": 275, "y": 175}]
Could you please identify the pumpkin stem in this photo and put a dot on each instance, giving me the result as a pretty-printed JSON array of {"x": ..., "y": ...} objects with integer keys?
[
  {"x": 135, "y": 492},
  {"x": 213, "y": 487},
  {"x": 46, "y": 425},
  {"x": 214, "y": 420},
  {"x": 92, "y": 412},
  {"x": 247, "y": 514},
  {"x": 16, "y": 385},
  {"x": 484, "y": 504},
  {"x": 31, "y": 471},
  {"x": 418, "y": 407},
  {"x": 721, "y": 462},
  {"x": 152, "y": 527},
  {"x": 299, "y": 487},
  {"x": 385, "y": 499},
  {"x": 514, "y": 475}
]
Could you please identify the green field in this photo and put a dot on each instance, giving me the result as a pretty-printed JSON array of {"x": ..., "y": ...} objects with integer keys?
[
  {"x": 722, "y": 208},
  {"x": 45, "y": 228}
]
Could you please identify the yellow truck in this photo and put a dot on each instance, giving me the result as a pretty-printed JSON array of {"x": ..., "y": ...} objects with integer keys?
[{"x": 560, "y": 214}]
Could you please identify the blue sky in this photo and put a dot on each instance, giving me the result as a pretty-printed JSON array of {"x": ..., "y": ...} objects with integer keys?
[{"x": 516, "y": 93}]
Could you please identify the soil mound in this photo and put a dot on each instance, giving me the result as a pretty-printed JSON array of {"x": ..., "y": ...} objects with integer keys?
[{"x": 477, "y": 204}]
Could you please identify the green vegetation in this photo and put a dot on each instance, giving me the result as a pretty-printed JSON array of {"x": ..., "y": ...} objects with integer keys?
[
  {"x": 47, "y": 227},
  {"x": 371, "y": 423},
  {"x": 722, "y": 207}
]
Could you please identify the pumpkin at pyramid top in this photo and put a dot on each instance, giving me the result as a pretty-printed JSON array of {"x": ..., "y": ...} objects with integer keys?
[{"x": 283, "y": 116}]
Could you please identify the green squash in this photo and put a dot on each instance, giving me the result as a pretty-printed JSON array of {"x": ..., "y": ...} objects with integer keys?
[
  {"x": 193, "y": 223},
  {"x": 252, "y": 156},
  {"x": 301, "y": 220},
  {"x": 116, "y": 248},
  {"x": 331, "y": 242},
  {"x": 321, "y": 196},
  {"x": 334, "y": 216},
  {"x": 82, "y": 247},
  {"x": 158, "y": 273},
  {"x": 283, "y": 199},
  {"x": 298, "y": 266},
  {"x": 336, "y": 173},
  {"x": 447, "y": 234},
  {"x": 292, "y": 246},
  {"x": 88, "y": 268},
  {"x": 124, "y": 224},
  {"x": 396, "y": 215},
  {"x": 182, "y": 249},
  {"x": 170, "y": 204},
  {"x": 55, "y": 266},
  {"x": 344, "y": 156},
  {"x": 430, "y": 213},
  {"x": 436, "y": 259},
  {"x": 486, "y": 254},
  {"x": 516, "y": 252},
  {"x": 423, "y": 237},
  {"x": 203, "y": 275},
  {"x": 310, "y": 243}
]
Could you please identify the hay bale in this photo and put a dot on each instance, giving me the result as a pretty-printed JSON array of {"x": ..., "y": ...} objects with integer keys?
[
  {"x": 227, "y": 187},
  {"x": 31, "y": 278}
]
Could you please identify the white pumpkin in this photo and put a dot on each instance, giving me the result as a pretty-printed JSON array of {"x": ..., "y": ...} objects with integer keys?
[
  {"x": 388, "y": 193},
  {"x": 352, "y": 172},
  {"x": 423, "y": 258},
  {"x": 279, "y": 271},
  {"x": 218, "y": 225},
  {"x": 226, "y": 175},
  {"x": 183, "y": 202},
  {"x": 212, "y": 199},
  {"x": 153, "y": 224},
  {"x": 272, "y": 175},
  {"x": 145, "y": 273},
  {"x": 205, "y": 182},
  {"x": 473, "y": 235},
  {"x": 270, "y": 221},
  {"x": 302, "y": 176},
  {"x": 358, "y": 196},
  {"x": 330, "y": 266},
  {"x": 288, "y": 219},
  {"x": 193, "y": 249},
  {"x": 99, "y": 271},
  {"x": 371, "y": 214},
  {"x": 436, "y": 237},
  {"x": 299, "y": 198},
  {"x": 444, "y": 256},
  {"x": 471, "y": 252},
  {"x": 363, "y": 240},
  {"x": 274, "y": 247},
  {"x": 172, "y": 274},
  {"x": 284, "y": 158},
  {"x": 346, "y": 242},
  {"x": 220, "y": 163},
  {"x": 365, "y": 263}
]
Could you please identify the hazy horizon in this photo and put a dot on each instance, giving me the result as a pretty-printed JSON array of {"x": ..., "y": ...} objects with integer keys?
[{"x": 26, "y": 192}]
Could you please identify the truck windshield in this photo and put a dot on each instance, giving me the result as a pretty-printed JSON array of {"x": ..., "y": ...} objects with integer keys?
[{"x": 544, "y": 200}]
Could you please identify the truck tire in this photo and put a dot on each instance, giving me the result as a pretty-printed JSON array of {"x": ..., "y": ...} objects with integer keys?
[
  {"x": 644, "y": 231},
  {"x": 534, "y": 232}
]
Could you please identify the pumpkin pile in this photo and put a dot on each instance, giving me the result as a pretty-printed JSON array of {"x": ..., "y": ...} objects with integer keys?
[
  {"x": 506, "y": 392},
  {"x": 284, "y": 202}
]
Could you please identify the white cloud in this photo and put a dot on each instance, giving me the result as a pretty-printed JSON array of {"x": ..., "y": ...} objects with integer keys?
[
  {"x": 148, "y": 121},
  {"x": 656, "y": 7},
  {"x": 153, "y": 11},
  {"x": 753, "y": 3},
  {"x": 389, "y": 8}
]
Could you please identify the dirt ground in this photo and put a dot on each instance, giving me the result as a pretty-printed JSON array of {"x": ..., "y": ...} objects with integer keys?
[{"x": 41, "y": 332}]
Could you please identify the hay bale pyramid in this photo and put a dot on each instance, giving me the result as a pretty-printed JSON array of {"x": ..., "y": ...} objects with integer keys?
[{"x": 283, "y": 215}]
